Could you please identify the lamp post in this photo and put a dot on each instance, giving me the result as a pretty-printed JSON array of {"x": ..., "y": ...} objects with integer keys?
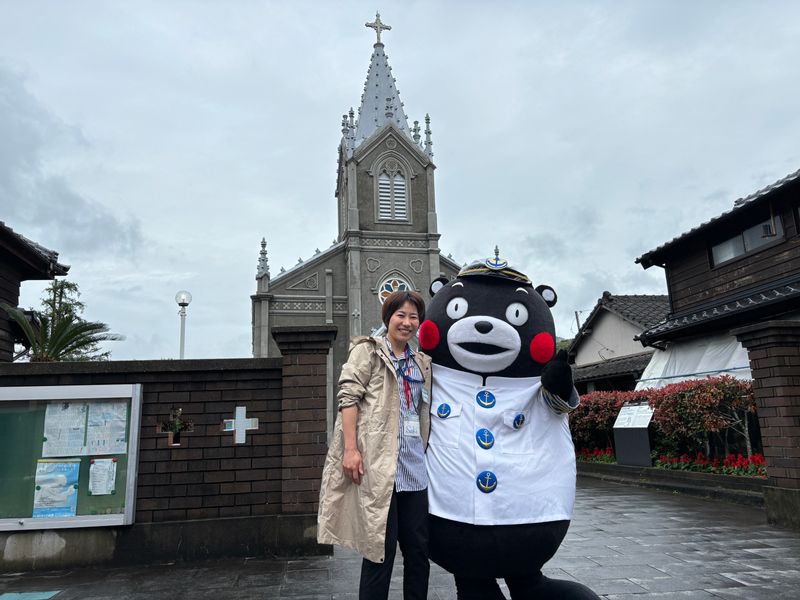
[{"x": 183, "y": 298}]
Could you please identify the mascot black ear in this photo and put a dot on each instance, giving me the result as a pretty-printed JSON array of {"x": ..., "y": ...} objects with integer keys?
[
  {"x": 436, "y": 285},
  {"x": 548, "y": 294}
]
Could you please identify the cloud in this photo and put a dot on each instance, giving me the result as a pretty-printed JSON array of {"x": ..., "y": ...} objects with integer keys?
[{"x": 42, "y": 204}]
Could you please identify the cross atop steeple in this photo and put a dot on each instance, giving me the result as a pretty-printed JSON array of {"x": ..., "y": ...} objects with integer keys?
[{"x": 378, "y": 26}]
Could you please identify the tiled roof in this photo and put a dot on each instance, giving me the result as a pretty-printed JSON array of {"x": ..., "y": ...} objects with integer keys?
[
  {"x": 782, "y": 292},
  {"x": 647, "y": 259},
  {"x": 49, "y": 258},
  {"x": 633, "y": 364},
  {"x": 641, "y": 310}
]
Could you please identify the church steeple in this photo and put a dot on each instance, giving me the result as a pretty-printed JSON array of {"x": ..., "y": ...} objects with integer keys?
[{"x": 380, "y": 102}]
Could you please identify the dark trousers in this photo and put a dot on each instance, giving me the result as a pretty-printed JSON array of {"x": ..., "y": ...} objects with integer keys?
[{"x": 407, "y": 524}]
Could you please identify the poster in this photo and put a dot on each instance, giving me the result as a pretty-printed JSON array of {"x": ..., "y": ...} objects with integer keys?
[
  {"x": 102, "y": 476},
  {"x": 65, "y": 429},
  {"x": 105, "y": 432},
  {"x": 56, "y": 492}
]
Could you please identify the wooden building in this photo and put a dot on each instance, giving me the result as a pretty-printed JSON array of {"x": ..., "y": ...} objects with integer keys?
[
  {"x": 20, "y": 260},
  {"x": 739, "y": 268}
]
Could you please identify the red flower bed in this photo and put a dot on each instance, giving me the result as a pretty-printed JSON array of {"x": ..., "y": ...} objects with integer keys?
[
  {"x": 691, "y": 420},
  {"x": 605, "y": 455},
  {"x": 732, "y": 464}
]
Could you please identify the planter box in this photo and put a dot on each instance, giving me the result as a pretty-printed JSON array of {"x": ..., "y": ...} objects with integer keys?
[{"x": 731, "y": 488}]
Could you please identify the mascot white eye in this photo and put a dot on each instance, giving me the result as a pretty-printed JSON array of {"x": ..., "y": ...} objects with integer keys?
[
  {"x": 457, "y": 308},
  {"x": 516, "y": 314}
]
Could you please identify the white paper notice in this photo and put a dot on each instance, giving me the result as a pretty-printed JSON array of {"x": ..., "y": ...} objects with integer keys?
[
  {"x": 102, "y": 476},
  {"x": 633, "y": 416},
  {"x": 65, "y": 429},
  {"x": 106, "y": 431}
]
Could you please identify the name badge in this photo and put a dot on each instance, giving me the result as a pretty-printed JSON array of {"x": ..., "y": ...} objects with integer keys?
[{"x": 411, "y": 425}]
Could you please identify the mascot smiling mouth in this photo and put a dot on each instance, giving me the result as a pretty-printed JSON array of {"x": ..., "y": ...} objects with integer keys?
[
  {"x": 480, "y": 348},
  {"x": 481, "y": 352}
]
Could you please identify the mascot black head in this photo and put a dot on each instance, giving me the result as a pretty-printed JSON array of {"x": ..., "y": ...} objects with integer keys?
[{"x": 491, "y": 321}]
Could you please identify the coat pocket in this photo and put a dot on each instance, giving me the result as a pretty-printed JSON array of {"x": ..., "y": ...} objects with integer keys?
[
  {"x": 517, "y": 435},
  {"x": 445, "y": 424}
]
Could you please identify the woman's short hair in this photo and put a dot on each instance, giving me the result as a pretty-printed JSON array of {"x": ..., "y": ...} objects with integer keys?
[{"x": 395, "y": 300}]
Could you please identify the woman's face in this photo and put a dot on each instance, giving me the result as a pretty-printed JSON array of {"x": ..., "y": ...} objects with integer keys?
[{"x": 403, "y": 324}]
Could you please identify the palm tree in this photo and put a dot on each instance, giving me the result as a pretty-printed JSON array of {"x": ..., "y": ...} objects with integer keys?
[{"x": 62, "y": 340}]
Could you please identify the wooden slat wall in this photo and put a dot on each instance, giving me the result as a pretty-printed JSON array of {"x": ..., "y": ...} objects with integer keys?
[
  {"x": 693, "y": 282},
  {"x": 9, "y": 293}
]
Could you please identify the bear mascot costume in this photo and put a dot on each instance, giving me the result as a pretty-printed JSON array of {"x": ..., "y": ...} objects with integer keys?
[{"x": 500, "y": 456}]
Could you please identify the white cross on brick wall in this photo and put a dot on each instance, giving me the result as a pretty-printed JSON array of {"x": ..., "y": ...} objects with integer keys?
[{"x": 240, "y": 425}]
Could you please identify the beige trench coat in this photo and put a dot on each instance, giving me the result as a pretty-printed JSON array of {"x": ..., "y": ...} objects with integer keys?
[{"x": 350, "y": 515}]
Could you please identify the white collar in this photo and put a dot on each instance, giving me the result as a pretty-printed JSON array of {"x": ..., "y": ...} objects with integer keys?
[{"x": 448, "y": 374}]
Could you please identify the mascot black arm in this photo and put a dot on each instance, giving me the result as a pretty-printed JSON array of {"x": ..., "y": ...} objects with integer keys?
[{"x": 557, "y": 376}]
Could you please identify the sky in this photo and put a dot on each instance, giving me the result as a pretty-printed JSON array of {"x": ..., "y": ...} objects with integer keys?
[{"x": 153, "y": 144}]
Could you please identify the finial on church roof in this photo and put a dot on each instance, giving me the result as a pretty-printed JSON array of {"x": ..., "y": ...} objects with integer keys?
[
  {"x": 496, "y": 252},
  {"x": 415, "y": 131},
  {"x": 428, "y": 141},
  {"x": 378, "y": 26},
  {"x": 263, "y": 263}
]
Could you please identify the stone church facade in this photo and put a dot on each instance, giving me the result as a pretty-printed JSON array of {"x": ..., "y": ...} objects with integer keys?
[{"x": 387, "y": 232}]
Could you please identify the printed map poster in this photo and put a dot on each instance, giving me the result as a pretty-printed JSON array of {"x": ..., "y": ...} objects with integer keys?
[
  {"x": 105, "y": 433},
  {"x": 56, "y": 493},
  {"x": 102, "y": 476},
  {"x": 65, "y": 429}
]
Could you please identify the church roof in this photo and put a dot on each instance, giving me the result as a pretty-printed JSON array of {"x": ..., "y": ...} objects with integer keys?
[{"x": 380, "y": 103}]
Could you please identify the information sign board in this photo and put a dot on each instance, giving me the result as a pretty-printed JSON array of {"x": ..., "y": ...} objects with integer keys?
[{"x": 68, "y": 455}]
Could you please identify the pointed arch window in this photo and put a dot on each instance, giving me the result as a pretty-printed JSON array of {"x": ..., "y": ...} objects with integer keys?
[{"x": 392, "y": 193}]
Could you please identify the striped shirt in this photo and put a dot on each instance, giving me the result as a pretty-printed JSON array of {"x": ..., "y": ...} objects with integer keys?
[{"x": 411, "y": 475}]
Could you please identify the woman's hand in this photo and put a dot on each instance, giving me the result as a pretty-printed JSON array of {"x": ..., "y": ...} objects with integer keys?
[{"x": 352, "y": 465}]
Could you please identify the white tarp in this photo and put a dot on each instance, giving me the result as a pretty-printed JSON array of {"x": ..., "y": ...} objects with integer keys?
[{"x": 696, "y": 359}]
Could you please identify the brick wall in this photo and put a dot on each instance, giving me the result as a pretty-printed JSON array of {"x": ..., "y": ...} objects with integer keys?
[
  {"x": 207, "y": 476},
  {"x": 276, "y": 471},
  {"x": 774, "y": 351}
]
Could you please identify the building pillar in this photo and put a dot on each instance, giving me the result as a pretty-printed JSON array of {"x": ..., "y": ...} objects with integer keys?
[
  {"x": 303, "y": 413},
  {"x": 773, "y": 348}
]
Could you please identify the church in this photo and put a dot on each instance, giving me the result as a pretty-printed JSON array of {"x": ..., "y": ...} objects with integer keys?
[{"x": 387, "y": 236}]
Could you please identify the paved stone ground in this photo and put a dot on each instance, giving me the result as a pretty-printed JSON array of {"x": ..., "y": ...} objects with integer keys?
[{"x": 625, "y": 543}]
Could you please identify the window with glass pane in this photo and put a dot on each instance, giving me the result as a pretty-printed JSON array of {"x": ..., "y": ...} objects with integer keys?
[{"x": 750, "y": 239}]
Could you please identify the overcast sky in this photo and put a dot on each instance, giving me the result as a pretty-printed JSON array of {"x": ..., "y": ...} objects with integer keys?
[{"x": 153, "y": 144}]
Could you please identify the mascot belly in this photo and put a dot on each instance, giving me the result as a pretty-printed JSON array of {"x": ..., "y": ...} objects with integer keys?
[{"x": 500, "y": 456}]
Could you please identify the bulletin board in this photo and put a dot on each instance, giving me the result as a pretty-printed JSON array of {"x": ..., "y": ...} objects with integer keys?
[{"x": 68, "y": 455}]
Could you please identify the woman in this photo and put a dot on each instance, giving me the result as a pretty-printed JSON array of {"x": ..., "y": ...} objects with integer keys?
[{"x": 374, "y": 484}]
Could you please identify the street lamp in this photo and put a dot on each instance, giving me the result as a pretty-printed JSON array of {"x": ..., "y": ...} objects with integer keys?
[{"x": 183, "y": 298}]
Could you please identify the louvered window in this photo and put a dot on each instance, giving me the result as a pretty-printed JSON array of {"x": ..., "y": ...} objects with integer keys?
[{"x": 392, "y": 197}]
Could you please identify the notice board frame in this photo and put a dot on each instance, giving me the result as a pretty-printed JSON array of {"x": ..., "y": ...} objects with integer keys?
[{"x": 66, "y": 393}]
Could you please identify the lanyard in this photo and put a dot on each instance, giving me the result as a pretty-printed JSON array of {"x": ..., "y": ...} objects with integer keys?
[{"x": 407, "y": 379}]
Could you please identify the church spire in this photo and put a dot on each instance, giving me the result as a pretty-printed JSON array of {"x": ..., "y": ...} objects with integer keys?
[
  {"x": 380, "y": 102},
  {"x": 263, "y": 262}
]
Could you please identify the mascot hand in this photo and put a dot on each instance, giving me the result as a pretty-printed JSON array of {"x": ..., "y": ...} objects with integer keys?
[{"x": 557, "y": 376}]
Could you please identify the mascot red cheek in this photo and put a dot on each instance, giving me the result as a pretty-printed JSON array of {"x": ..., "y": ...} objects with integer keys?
[{"x": 500, "y": 456}]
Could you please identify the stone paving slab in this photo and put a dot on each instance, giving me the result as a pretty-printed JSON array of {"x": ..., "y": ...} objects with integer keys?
[{"x": 626, "y": 543}]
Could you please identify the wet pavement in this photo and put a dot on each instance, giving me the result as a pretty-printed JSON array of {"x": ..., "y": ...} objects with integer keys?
[{"x": 624, "y": 543}]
